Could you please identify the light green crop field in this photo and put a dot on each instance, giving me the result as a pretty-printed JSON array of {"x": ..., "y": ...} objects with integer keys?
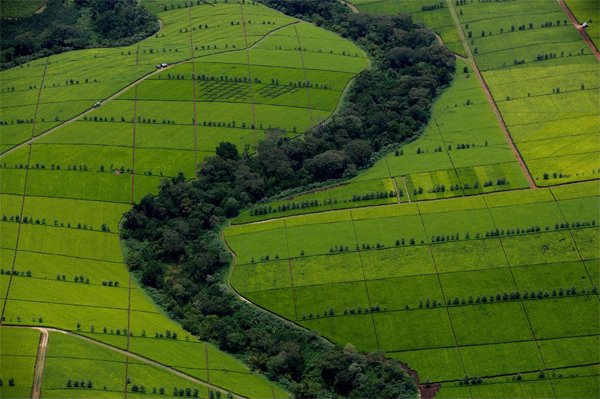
[
  {"x": 62, "y": 197},
  {"x": 70, "y": 360},
  {"x": 543, "y": 78},
  {"x": 18, "y": 351},
  {"x": 492, "y": 286}
]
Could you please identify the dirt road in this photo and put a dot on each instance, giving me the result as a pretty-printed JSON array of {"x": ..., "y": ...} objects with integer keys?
[
  {"x": 580, "y": 29},
  {"x": 40, "y": 363}
]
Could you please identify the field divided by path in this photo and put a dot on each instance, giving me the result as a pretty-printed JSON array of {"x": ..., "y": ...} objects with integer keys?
[
  {"x": 487, "y": 286},
  {"x": 543, "y": 77},
  {"x": 64, "y": 193}
]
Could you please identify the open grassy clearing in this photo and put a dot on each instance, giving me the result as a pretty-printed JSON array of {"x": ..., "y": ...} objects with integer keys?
[
  {"x": 18, "y": 351},
  {"x": 79, "y": 179},
  {"x": 443, "y": 303}
]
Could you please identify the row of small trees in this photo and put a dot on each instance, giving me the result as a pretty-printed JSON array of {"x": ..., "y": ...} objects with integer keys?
[
  {"x": 268, "y": 209},
  {"x": 30, "y": 220},
  {"x": 15, "y": 272},
  {"x": 479, "y": 299},
  {"x": 167, "y": 334},
  {"x": 440, "y": 238},
  {"x": 351, "y": 311}
]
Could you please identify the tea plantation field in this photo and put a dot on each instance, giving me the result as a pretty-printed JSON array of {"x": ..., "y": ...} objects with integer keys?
[
  {"x": 490, "y": 286},
  {"x": 69, "y": 171},
  {"x": 443, "y": 254}
]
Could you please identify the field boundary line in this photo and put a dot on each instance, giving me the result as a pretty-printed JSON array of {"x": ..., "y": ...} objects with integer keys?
[
  {"x": 248, "y": 64},
  {"x": 300, "y": 51},
  {"x": 406, "y": 188},
  {"x": 140, "y": 358},
  {"x": 444, "y": 143},
  {"x": 490, "y": 97},
  {"x": 364, "y": 280},
  {"x": 25, "y": 180},
  {"x": 206, "y": 359},
  {"x": 393, "y": 180},
  {"x": 287, "y": 246},
  {"x": 549, "y": 378},
  {"x": 194, "y": 90},
  {"x": 521, "y": 301},
  {"x": 40, "y": 363},
  {"x": 580, "y": 29},
  {"x": 439, "y": 280},
  {"x": 493, "y": 343}
]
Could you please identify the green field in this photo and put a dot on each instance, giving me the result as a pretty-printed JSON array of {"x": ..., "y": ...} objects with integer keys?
[
  {"x": 483, "y": 286},
  {"x": 18, "y": 351},
  {"x": 63, "y": 196}
]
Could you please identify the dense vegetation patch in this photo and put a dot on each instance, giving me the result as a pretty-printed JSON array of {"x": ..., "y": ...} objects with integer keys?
[
  {"x": 66, "y": 25},
  {"x": 172, "y": 238}
]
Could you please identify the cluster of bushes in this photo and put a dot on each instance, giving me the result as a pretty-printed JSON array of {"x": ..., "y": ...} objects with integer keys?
[
  {"x": 432, "y": 7},
  {"x": 81, "y": 279},
  {"x": 110, "y": 283},
  {"x": 80, "y": 384},
  {"x": 11, "y": 382},
  {"x": 64, "y": 26},
  {"x": 15, "y": 272},
  {"x": 472, "y": 380}
]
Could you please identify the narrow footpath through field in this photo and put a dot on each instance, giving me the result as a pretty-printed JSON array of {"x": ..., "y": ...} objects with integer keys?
[
  {"x": 42, "y": 355},
  {"x": 580, "y": 28},
  {"x": 40, "y": 363}
]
